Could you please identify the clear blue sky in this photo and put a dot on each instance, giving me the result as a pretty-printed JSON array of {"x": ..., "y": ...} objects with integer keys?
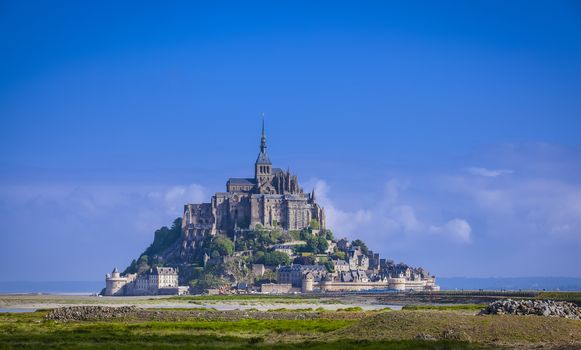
[{"x": 446, "y": 134}]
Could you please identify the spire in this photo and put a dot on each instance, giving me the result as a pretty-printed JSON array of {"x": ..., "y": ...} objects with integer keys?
[
  {"x": 313, "y": 195},
  {"x": 263, "y": 156},
  {"x": 263, "y": 138}
]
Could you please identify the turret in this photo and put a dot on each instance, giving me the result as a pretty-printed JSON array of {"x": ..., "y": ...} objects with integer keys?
[
  {"x": 308, "y": 283},
  {"x": 115, "y": 273},
  {"x": 114, "y": 283}
]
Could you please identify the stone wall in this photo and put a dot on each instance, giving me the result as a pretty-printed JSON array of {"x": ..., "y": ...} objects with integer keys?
[{"x": 276, "y": 288}]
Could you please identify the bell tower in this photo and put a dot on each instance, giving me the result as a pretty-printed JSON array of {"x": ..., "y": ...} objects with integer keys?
[{"x": 263, "y": 166}]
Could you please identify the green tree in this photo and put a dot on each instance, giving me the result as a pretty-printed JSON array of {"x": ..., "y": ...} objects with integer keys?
[
  {"x": 317, "y": 245},
  {"x": 142, "y": 264},
  {"x": 163, "y": 239},
  {"x": 359, "y": 243},
  {"x": 206, "y": 281},
  {"x": 304, "y": 260},
  {"x": 296, "y": 235},
  {"x": 330, "y": 266},
  {"x": 222, "y": 246},
  {"x": 275, "y": 258},
  {"x": 328, "y": 235},
  {"x": 285, "y": 237},
  {"x": 322, "y": 244},
  {"x": 312, "y": 244},
  {"x": 258, "y": 257},
  {"x": 314, "y": 224},
  {"x": 305, "y": 234}
]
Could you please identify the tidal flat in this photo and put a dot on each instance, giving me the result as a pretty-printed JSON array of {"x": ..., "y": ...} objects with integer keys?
[{"x": 334, "y": 323}]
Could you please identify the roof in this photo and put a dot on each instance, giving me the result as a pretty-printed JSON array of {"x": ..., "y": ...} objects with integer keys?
[
  {"x": 241, "y": 181},
  {"x": 263, "y": 158},
  {"x": 346, "y": 277},
  {"x": 277, "y": 170},
  {"x": 298, "y": 267},
  {"x": 163, "y": 271}
]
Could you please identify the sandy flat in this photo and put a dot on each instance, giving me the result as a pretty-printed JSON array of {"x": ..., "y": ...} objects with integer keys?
[{"x": 55, "y": 301}]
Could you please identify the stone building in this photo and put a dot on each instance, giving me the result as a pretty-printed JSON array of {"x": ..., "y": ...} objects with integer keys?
[
  {"x": 294, "y": 274},
  {"x": 115, "y": 283},
  {"x": 356, "y": 259},
  {"x": 272, "y": 198},
  {"x": 158, "y": 280}
]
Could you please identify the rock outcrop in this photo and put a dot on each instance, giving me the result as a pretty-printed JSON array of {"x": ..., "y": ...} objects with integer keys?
[
  {"x": 83, "y": 313},
  {"x": 533, "y": 307}
]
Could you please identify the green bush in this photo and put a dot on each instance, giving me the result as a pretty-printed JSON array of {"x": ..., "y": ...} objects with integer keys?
[{"x": 274, "y": 259}]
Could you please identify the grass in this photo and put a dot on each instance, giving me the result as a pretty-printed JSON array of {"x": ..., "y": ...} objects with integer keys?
[
  {"x": 245, "y": 326},
  {"x": 181, "y": 309},
  {"x": 31, "y": 331},
  {"x": 467, "y": 307},
  {"x": 574, "y": 297},
  {"x": 309, "y": 309},
  {"x": 226, "y": 342},
  {"x": 352, "y": 309},
  {"x": 453, "y": 329},
  {"x": 507, "y": 329}
]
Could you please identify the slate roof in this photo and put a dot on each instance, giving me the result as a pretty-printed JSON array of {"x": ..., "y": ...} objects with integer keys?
[
  {"x": 298, "y": 267},
  {"x": 241, "y": 181},
  {"x": 263, "y": 158}
]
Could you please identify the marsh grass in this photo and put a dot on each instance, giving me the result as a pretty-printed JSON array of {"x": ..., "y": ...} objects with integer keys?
[
  {"x": 182, "y": 309},
  {"x": 340, "y": 330},
  {"x": 407, "y": 324},
  {"x": 352, "y": 309},
  {"x": 574, "y": 297}
]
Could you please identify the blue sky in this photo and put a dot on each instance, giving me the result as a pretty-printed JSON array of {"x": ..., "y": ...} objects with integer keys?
[{"x": 446, "y": 134}]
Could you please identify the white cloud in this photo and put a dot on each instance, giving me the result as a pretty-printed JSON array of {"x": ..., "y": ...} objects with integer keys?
[
  {"x": 459, "y": 229},
  {"x": 175, "y": 197},
  {"x": 489, "y": 172},
  {"x": 529, "y": 208},
  {"x": 389, "y": 218},
  {"x": 85, "y": 223}
]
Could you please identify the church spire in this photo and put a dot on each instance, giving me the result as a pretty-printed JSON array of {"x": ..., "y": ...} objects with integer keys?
[
  {"x": 263, "y": 155},
  {"x": 263, "y": 138}
]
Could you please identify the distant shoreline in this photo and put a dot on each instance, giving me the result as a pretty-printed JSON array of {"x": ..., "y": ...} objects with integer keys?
[{"x": 446, "y": 283}]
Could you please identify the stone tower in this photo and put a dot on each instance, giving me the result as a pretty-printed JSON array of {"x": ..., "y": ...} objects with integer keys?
[
  {"x": 308, "y": 283},
  {"x": 114, "y": 283},
  {"x": 263, "y": 167}
]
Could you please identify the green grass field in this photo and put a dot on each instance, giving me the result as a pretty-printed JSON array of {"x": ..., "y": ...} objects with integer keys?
[
  {"x": 448, "y": 327},
  {"x": 574, "y": 297}
]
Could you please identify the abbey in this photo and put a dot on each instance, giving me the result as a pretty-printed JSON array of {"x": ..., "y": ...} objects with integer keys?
[{"x": 272, "y": 198}]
